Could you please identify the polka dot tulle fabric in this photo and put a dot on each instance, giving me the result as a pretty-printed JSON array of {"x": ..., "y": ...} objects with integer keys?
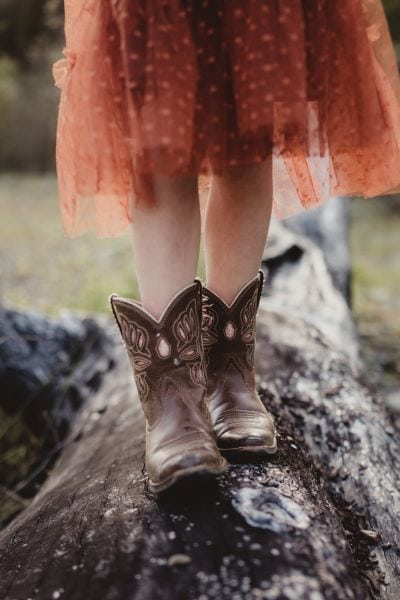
[{"x": 195, "y": 87}]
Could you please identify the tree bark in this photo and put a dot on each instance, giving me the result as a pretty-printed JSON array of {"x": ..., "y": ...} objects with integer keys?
[{"x": 318, "y": 520}]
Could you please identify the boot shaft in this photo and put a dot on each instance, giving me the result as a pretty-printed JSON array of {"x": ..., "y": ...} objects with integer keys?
[
  {"x": 167, "y": 349},
  {"x": 230, "y": 330}
]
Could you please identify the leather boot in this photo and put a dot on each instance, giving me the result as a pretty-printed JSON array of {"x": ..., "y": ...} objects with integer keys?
[
  {"x": 167, "y": 360},
  {"x": 240, "y": 420}
]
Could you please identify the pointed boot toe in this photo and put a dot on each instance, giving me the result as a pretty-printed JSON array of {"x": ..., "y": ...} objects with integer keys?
[
  {"x": 246, "y": 432},
  {"x": 176, "y": 467}
]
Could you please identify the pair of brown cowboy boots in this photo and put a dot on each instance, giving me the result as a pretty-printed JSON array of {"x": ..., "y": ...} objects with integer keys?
[{"x": 194, "y": 371}]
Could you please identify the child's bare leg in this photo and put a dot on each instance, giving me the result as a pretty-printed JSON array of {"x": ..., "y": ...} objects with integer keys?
[
  {"x": 166, "y": 241},
  {"x": 236, "y": 226}
]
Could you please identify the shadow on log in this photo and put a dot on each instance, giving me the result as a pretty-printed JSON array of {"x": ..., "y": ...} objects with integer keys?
[{"x": 319, "y": 520}]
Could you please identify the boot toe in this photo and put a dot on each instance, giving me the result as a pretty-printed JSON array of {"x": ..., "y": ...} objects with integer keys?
[
  {"x": 248, "y": 435},
  {"x": 196, "y": 462}
]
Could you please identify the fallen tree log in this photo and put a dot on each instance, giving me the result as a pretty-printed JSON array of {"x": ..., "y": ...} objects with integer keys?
[
  {"x": 323, "y": 390},
  {"x": 317, "y": 520}
]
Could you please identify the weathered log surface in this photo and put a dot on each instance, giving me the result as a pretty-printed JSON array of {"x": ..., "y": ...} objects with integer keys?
[
  {"x": 323, "y": 391},
  {"x": 295, "y": 526},
  {"x": 328, "y": 228}
]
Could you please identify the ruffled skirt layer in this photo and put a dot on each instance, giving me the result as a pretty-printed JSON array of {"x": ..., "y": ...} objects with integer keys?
[{"x": 195, "y": 87}]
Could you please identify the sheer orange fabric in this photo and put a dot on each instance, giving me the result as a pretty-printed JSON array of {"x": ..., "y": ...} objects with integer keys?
[{"x": 197, "y": 86}]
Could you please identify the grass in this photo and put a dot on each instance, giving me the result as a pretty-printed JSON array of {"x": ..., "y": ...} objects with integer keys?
[
  {"x": 375, "y": 249},
  {"x": 44, "y": 270}
]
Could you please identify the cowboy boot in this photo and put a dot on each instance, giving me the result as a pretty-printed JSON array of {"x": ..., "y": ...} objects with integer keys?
[
  {"x": 167, "y": 360},
  {"x": 240, "y": 420}
]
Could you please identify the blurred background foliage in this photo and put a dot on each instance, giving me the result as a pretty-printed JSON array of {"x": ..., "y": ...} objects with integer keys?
[
  {"x": 31, "y": 36},
  {"x": 44, "y": 271}
]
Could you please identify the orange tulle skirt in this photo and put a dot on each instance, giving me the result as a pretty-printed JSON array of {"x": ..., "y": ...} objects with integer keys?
[{"x": 195, "y": 87}]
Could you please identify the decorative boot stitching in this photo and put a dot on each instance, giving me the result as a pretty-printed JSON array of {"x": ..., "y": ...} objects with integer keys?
[
  {"x": 248, "y": 326},
  {"x": 137, "y": 343},
  {"x": 187, "y": 331},
  {"x": 209, "y": 327},
  {"x": 211, "y": 324}
]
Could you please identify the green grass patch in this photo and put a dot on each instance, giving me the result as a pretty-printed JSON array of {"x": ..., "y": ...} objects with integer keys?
[{"x": 44, "y": 270}]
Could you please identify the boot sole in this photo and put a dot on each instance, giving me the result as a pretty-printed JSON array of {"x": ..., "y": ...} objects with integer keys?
[
  {"x": 197, "y": 471},
  {"x": 250, "y": 449}
]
